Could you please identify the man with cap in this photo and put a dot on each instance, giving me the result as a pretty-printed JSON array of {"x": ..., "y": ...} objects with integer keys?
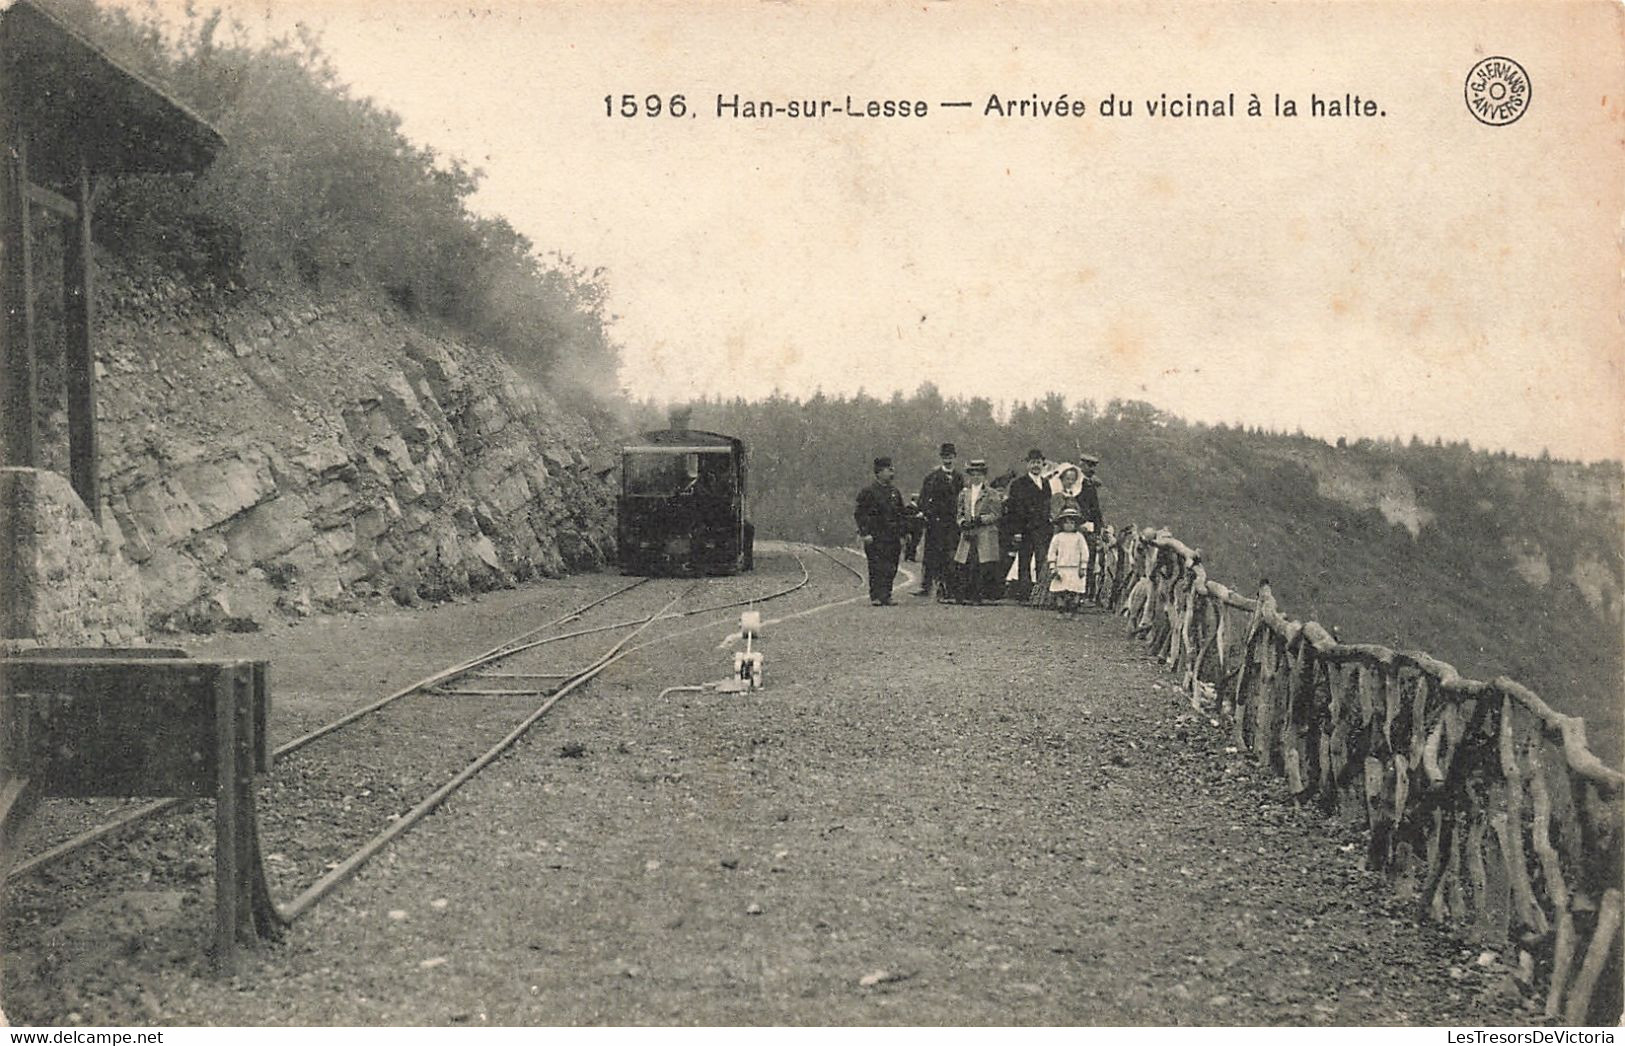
[
  {"x": 1089, "y": 508},
  {"x": 1028, "y": 508},
  {"x": 939, "y": 501},
  {"x": 881, "y": 518},
  {"x": 979, "y": 509}
]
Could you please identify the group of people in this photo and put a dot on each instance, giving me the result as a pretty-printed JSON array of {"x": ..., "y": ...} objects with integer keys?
[{"x": 1048, "y": 519}]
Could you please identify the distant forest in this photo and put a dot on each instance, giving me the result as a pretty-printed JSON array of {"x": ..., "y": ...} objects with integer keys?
[
  {"x": 1496, "y": 563},
  {"x": 319, "y": 188},
  {"x": 809, "y": 456}
]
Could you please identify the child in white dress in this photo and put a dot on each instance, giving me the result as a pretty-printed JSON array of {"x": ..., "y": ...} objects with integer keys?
[{"x": 1068, "y": 560}]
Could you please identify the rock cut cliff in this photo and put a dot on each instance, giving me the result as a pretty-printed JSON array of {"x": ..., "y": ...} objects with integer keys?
[{"x": 266, "y": 454}]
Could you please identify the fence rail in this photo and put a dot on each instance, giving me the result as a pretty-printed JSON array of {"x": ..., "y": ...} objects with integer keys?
[{"x": 1483, "y": 805}]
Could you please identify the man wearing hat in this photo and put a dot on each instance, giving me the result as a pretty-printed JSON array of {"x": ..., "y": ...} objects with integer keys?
[
  {"x": 881, "y": 520},
  {"x": 1089, "y": 508},
  {"x": 939, "y": 501},
  {"x": 978, "y": 511},
  {"x": 1028, "y": 508}
]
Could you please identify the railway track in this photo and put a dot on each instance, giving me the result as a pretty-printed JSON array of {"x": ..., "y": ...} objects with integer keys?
[
  {"x": 843, "y": 564},
  {"x": 146, "y": 811},
  {"x": 442, "y": 693}
]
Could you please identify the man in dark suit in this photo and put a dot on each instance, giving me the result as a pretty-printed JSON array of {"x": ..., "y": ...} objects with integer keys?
[
  {"x": 1027, "y": 504},
  {"x": 1089, "y": 495},
  {"x": 1089, "y": 506},
  {"x": 939, "y": 500},
  {"x": 881, "y": 518}
]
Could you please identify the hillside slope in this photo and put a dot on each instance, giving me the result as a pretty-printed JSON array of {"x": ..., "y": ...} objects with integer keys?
[{"x": 1491, "y": 568}]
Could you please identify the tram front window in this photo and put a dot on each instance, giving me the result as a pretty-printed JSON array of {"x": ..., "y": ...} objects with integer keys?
[{"x": 654, "y": 474}]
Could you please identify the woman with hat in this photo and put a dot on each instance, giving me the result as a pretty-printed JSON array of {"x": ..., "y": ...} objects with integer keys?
[
  {"x": 1065, "y": 485},
  {"x": 978, "y": 511}
]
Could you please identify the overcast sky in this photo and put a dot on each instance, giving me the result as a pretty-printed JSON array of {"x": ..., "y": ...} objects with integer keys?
[{"x": 1415, "y": 272}]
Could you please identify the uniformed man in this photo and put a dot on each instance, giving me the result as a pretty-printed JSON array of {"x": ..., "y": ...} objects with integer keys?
[
  {"x": 939, "y": 500},
  {"x": 881, "y": 519},
  {"x": 1089, "y": 507}
]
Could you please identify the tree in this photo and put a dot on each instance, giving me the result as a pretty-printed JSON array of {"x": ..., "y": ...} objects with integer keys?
[{"x": 319, "y": 187}]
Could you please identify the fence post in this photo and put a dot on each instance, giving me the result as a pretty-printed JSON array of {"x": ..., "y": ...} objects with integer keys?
[{"x": 1444, "y": 764}]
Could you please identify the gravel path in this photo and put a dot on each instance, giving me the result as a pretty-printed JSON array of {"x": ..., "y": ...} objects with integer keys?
[{"x": 932, "y": 815}]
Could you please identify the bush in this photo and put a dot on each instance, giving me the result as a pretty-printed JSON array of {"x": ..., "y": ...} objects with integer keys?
[{"x": 320, "y": 188}]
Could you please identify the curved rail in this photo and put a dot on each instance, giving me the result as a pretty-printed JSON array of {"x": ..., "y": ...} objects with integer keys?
[
  {"x": 350, "y": 865},
  {"x": 508, "y": 648},
  {"x": 849, "y": 568},
  {"x": 496, "y": 653},
  {"x": 806, "y": 579},
  {"x": 148, "y": 810}
]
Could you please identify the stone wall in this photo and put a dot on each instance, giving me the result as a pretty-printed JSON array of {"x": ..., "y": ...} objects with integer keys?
[
  {"x": 62, "y": 579},
  {"x": 274, "y": 455}
]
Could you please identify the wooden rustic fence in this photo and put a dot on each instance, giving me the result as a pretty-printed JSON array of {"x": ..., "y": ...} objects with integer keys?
[{"x": 1481, "y": 803}]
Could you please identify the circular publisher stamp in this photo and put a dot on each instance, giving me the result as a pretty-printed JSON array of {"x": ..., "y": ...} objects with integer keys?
[{"x": 1497, "y": 91}]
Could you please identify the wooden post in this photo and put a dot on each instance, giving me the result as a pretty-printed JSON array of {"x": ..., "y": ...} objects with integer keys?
[
  {"x": 78, "y": 356},
  {"x": 1557, "y": 888},
  {"x": 16, "y": 303},
  {"x": 16, "y": 799},
  {"x": 242, "y": 780},
  {"x": 1602, "y": 940},
  {"x": 255, "y": 914},
  {"x": 225, "y": 825},
  {"x": 1496, "y": 918},
  {"x": 261, "y": 917},
  {"x": 1509, "y": 829}
]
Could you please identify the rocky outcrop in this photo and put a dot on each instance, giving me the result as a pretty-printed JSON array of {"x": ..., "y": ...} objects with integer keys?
[
  {"x": 62, "y": 580},
  {"x": 266, "y": 455},
  {"x": 1360, "y": 485}
]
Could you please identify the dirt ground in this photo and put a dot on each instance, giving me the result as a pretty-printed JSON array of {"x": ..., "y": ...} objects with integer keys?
[{"x": 931, "y": 815}]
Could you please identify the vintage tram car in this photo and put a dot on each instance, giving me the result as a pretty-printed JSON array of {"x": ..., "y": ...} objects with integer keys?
[{"x": 683, "y": 505}]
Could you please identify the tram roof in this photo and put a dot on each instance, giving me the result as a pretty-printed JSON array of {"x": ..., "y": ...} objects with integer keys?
[{"x": 686, "y": 440}]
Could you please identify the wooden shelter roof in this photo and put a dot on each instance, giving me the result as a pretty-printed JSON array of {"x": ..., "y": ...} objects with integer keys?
[{"x": 75, "y": 101}]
